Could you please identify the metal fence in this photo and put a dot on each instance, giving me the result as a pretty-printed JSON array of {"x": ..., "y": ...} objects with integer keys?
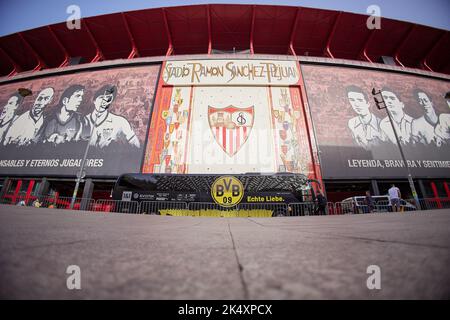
[
  {"x": 85, "y": 204},
  {"x": 161, "y": 208},
  {"x": 263, "y": 209},
  {"x": 48, "y": 201},
  {"x": 208, "y": 209},
  {"x": 303, "y": 209},
  {"x": 214, "y": 210},
  {"x": 116, "y": 206},
  {"x": 433, "y": 203}
]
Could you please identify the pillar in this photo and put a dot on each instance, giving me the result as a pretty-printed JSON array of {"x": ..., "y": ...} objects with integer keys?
[
  {"x": 87, "y": 194},
  {"x": 4, "y": 188},
  {"x": 42, "y": 191},
  {"x": 376, "y": 191},
  {"x": 422, "y": 189}
]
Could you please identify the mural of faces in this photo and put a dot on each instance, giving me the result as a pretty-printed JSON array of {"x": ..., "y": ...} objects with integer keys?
[
  {"x": 42, "y": 100},
  {"x": 394, "y": 105},
  {"x": 358, "y": 102},
  {"x": 74, "y": 101},
  {"x": 425, "y": 102},
  {"x": 11, "y": 105}
]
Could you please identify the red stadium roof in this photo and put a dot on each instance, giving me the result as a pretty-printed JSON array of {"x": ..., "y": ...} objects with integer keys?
[{"x": 198, "y": 29}]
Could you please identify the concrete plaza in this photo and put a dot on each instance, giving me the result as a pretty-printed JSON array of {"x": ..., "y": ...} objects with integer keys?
[{"x": 125, "y": 256}]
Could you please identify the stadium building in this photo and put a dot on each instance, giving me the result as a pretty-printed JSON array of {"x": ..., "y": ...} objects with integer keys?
[{"x": 225, "y": 89}]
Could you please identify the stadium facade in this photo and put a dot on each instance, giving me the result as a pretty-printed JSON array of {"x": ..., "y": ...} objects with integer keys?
[{"x": 225, "y": 89}]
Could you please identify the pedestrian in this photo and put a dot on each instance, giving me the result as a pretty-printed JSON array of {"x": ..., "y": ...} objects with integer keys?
[
  {"x": 370, "y": 202},
  {"x": 36, "y": 203},
  {"x": 321, "y": 203},
  {"x": 21, "y": 203},
  {"x": 394, "y": 197}
]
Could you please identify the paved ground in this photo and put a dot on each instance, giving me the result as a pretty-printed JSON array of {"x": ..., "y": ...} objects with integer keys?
[{"x": 153, "y": 257}]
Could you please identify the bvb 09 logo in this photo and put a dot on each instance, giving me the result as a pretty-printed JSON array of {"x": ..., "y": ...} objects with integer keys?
[{"x": 227, "y": 191}]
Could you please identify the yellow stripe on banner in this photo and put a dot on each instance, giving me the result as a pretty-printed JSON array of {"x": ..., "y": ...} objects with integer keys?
[{"x": 259, "y": 213}]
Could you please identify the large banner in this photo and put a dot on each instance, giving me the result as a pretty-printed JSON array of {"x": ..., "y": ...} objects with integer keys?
[
  {"x": 356, "y": 139},
  {"x": 228, "y": 123},
  {"x": 47, "y": 132},
  {"x": 231, "y": 72}
]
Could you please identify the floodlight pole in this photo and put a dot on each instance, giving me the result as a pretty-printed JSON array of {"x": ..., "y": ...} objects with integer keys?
[
  {"x": 80, "y": 173},
  {"x": 410, "y": 180}
]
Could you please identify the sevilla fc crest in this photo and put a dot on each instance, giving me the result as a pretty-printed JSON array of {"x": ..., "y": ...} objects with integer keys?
[{"x": 231, "y": 127}]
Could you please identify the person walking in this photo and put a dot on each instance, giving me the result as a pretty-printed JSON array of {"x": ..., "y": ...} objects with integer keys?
[
  {"x": 370, "y": 202},
  {"x": 394, "y": 197},
  {"x": 36, "y": 203},
  {"x": 321, "y": 203}
]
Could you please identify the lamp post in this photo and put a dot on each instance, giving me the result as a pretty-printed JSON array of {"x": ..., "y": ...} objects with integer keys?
[
  {"x": 382, "y": 105},
  {"x": 80, "y": 174}
]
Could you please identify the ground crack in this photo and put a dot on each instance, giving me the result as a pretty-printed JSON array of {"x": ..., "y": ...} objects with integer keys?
[{"x": 241, "y": 268}]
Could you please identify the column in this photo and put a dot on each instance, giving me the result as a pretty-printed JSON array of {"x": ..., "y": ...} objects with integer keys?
[
  {"x": 4, "y": 188},
  {"x": 87, "y": 194},
  {"x": 376, "y": 191}
]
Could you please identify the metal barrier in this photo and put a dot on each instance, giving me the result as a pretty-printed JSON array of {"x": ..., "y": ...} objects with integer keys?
[
  {"x": 383, "y": 206},
  {"x": 428, "y": 204},
  {"x": 353, "y": 208},
  {"x": 433, "y": 203},
  {"x": 311, "y": 209},
  {"x": 116, "y": 206},
  {"x": 18, "y": 199},
  {"x": 215, "y": 210},
  {"x": 207, "y": 206},
  {"x": 85, "y": 204},
  {"x": 344, "y": 208},
  {"x": 331, "y": 208},
  {"x": 263, "y": 210},
  {"x": 208, "y": 209},
  {"x": 159, "y": 207},
  {"x": 48, "y": 201},
  {"x": 303, "y": 209},
  {"x": 445, "y": 203}
]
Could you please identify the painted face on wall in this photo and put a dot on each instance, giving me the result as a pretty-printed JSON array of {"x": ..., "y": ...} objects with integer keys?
[
  {"x": 425, "y": 101},
  {"x": 11, "y": 105},
  {"x": 394, "y": 105},
  {"x": 358, "y": 103},
  {"x": 42, "y": 100},
  {"x": 74, "y": 102},
  {"x": 103, "y": 102}
]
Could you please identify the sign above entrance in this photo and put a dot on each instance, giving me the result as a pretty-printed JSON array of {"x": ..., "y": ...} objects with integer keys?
[{"x": 231, "y": 72}]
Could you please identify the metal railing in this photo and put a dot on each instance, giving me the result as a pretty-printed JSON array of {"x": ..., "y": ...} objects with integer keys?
[
  {"x": 263, "y": 210},
  {"x": 214, "y": 210},
  {"x": 117, "y": 206},
  {"x": 208, "y": 209},
  {"x": 85, "y": 204},
  {"x": 161, "y": 208},
  {"x": 303, "y": 209}
]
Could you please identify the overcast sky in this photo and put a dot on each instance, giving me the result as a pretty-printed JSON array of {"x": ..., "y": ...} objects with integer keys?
[{"x": 20, "y": 15}]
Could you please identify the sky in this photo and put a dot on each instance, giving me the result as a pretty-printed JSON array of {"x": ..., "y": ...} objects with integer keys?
[{"x": 20, "y": 15}]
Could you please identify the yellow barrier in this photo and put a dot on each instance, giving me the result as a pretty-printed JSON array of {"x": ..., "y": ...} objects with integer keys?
[{"x": 217, "y": 213}]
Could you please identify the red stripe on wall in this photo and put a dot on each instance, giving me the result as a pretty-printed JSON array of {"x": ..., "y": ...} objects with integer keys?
[
  {"x": 224, "y": 138},
  {"x": 238, "y": 138},
  {"x": 230, "y": 131}
]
